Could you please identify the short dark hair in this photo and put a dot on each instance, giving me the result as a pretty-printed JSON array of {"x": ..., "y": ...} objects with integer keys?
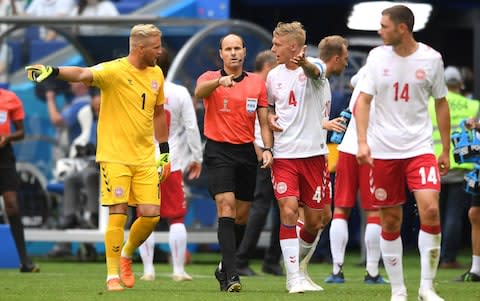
[
  {"x": 230, "y": 34},
  {"x": 400, "y": 14},
  {"x": 164, "y": 61},
  {"x": 264, "y": 57}
]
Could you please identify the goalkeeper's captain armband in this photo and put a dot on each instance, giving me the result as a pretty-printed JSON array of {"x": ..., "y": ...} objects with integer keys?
[{"x": 39, "y": 73}]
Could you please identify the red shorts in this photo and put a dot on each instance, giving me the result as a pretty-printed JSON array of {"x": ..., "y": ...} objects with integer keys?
[
  {"x": 391, "y": 176},
  {"x": 173, "y": 204},
  {"x": 351, "y": 178},
  {"x": 307, "y": 179}
]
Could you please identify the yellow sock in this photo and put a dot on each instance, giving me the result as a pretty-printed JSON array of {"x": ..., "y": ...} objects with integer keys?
[
  {"x": 139, "y": 231},
  {"x": 113, "y": 242}
]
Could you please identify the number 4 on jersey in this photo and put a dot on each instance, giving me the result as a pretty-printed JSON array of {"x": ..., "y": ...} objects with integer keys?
[{"x": 291, "y": 99}]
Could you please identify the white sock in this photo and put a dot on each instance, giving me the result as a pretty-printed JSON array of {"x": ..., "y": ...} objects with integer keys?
[
  {"x": 290, "y": 250},
  {"x": 372, "y": 246},
  {"x": 306, "y": 249},
  {"x": 146, "y": 253},
  {"x": 177, "y": 240},
  {"x": 338, "y": 242},
  {"x": 475, "y": 265},
  {"x": 392, "y": 252},
  {"x": 299, "y": 227},
  {"x": 429, "y": 247}
]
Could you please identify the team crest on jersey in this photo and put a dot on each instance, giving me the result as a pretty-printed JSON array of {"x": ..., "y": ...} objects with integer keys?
[
  {"x": 281, "y": 187},
  {"x": 302, "y": 77},
  {"x": 380, "y": 194},
  {"x": 251, "y": 104},
  {"x": 154, "y": 84},
  {"x": 118, "y": 192},
  {"x": 386, "y": 72},
  {"x": 3, "y": 117},
  {"x": 420, "y": 74}
]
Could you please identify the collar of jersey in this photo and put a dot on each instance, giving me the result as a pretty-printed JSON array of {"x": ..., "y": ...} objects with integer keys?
[{"x": 236, "y": 79}]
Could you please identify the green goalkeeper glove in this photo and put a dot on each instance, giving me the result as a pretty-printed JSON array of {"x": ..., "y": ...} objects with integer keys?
[
  {"x": 39, "y": 73},
  {"x": 163, "y": 166}
]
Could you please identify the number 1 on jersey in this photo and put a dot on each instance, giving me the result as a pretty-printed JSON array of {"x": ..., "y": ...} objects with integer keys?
[{"x": 143, "y": 101}]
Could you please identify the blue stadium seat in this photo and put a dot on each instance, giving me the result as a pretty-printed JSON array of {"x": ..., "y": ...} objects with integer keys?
[
  {"x": 40, "y": 48},
  {"x": 16, "y": 51},
  {"x": 125, "y": 7}
]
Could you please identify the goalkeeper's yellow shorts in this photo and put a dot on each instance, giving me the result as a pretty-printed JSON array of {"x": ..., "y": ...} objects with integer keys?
[{"x": 128, "y": 184}]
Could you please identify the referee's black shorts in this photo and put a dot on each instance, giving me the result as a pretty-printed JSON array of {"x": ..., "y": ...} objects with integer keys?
[
  {"x": 475, "y": 201},
  {"x": 8, "y": 172},
  {"x": 231, "y": 168}
]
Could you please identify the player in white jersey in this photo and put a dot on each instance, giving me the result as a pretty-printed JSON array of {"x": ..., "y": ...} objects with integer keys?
[
  {"x": 350, "y": 179},
  {"x": 299, "y": 93},
  {"x": 401, "y": 75},
  {"x": 186, "y": 155}
]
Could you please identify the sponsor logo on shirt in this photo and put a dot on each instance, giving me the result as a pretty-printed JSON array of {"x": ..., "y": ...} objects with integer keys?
[{"x": 225, "y": 106}]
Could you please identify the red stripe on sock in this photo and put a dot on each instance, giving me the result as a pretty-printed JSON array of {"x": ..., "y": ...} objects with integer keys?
[
  {"x": 287, "y": 231},
  {"x": 340, "y": 216},
  {"x": 307, "y": 236},
  {"x": 299, "y": 223},
  {"x": 390, "y": 235},
  {"x": 436, "y": 229},
  {"x": 373, "y": 220}
]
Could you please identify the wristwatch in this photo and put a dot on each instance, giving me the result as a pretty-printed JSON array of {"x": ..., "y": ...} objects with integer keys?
[{"x": 270, "y": 149}]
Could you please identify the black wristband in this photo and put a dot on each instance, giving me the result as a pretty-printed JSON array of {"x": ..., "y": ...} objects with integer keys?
[
  {"x": 55, "y": 72},
  {"x": 164, "y": 148}
]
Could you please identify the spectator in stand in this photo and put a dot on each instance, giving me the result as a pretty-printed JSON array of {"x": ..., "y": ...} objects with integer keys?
[
  {"x": 11, "y": 112},
  {"x": 50, "y": 8},
  {"x": 95, "y": 8},
  {"x": 68, "y": 128},
  {"x": 454, "y": 201},
  {"x": 83, "y": 148}
]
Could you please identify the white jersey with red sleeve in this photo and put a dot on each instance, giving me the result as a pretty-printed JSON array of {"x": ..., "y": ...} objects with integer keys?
[
  {"x": 301, "y": 103},
  {"x": 402, "y": 87},
  {"x": 184, "y": 136},
  {"x": 349, "y": 142}
]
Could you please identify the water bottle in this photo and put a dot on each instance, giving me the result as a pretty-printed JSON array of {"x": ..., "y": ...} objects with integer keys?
[{"x": 338, "y": 136}]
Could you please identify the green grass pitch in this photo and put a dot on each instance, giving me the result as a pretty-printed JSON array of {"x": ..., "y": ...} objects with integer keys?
[{"x": 71, "y": 281}]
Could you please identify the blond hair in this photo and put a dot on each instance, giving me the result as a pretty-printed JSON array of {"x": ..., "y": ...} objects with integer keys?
[
  {"x": 294, "y": 29},
  {"x": 141, "y": 32},
  {"x": 330, "y": 46}
]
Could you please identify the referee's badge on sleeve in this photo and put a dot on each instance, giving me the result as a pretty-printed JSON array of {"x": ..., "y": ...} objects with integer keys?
[{"x": 251, "y": 105}]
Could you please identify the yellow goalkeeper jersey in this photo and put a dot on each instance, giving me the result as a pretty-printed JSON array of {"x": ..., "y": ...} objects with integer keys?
[{"x": 125, "y": 123}]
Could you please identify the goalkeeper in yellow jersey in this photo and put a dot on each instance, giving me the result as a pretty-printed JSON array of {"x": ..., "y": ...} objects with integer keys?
[{"x": 131, "y": 112}]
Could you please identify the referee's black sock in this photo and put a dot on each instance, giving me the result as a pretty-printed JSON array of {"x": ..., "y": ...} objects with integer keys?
[
  {"x": 239, "y": 233},
  {"x": 226, "y": 240},
  {"x": 16, "y": 228}
]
